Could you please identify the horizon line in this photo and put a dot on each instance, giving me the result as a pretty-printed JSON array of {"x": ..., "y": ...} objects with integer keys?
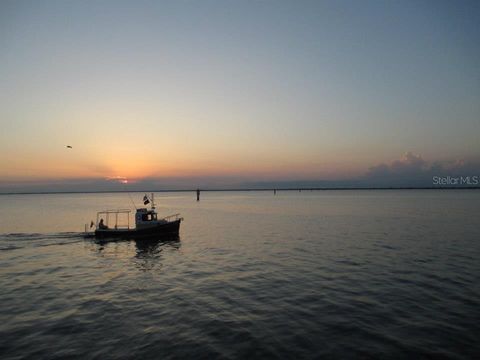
[{"x": 248, "y": 189}]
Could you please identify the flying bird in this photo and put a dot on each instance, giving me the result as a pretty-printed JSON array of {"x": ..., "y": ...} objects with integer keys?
[{"x": 68, "y": 146}]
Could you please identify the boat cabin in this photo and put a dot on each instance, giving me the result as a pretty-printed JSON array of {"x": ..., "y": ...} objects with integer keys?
[{"x": 146, "y": 218}]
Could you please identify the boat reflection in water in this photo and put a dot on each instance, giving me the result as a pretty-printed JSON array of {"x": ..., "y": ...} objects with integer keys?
[
  {"x": 149, "y": 251},
  {"x": 148, "y": 254},
  {"x": 151, "y": 246}
]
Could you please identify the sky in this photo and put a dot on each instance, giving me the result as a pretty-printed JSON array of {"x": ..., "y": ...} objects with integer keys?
[{"x": 223, "y": 93}]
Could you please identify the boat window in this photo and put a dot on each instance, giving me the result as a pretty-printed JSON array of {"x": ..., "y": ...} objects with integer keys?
[{"x": 149, "y": 217}]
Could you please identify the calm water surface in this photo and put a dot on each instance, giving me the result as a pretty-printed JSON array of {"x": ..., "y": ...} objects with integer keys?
[{"x": 350, "y": 274}]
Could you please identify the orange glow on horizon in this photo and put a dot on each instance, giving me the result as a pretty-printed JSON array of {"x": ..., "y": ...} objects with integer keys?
[
  {"x": 128, "y": 163},
  {"x": 132, "y": 168}
]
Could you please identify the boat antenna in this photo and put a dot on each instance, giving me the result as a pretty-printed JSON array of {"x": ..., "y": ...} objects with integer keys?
[
  {"x": 130, "y": 196},
  {"x": 133, "y": 202}
]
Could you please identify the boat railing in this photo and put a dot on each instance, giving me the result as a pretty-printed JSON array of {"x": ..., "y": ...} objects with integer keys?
[
  {"x": 113, "y": 211},
  {"x": 173, "y": 217}
]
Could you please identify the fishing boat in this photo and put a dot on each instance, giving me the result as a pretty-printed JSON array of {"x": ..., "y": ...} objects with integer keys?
[{"x": 116, "y": 223}]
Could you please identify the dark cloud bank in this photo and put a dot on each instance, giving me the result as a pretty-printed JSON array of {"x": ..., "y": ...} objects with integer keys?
[
  {"x": 413, "y": 170},
  {"x": 409, "y": 171}
]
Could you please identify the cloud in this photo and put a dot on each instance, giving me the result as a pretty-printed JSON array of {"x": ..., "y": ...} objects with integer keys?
[
  {"x": 119, "y": 183},
  {"x": 412, "y": 170},
  {"x": 119, "y": 179},
  {"x": 408, "y": 164}
]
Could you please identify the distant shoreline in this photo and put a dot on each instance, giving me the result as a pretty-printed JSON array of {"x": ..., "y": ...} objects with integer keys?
[{"x": 240, "y": 190}]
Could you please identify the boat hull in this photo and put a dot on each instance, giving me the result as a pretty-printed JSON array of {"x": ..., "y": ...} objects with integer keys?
[{"x": 160, "y": 230}]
